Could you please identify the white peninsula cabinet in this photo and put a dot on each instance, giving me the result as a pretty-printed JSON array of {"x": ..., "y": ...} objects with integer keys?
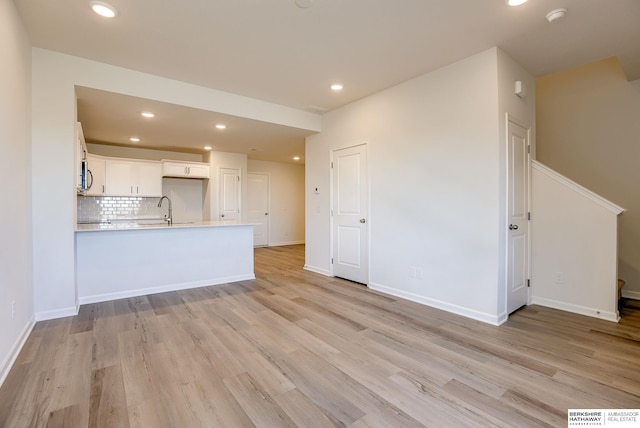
[
  {"x": 96, "y": 168},
  {"x": 178, "y": 169},
  {"x": 133, "y": 178}
]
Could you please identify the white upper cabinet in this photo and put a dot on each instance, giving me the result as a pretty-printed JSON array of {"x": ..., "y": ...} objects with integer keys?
[
  {"x": 96, "y": 173},
  {"x": 179, "y": 169},
  {"x": 133, "y": 178}
]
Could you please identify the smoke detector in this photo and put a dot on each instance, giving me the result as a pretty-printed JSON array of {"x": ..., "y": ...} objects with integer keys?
[{"x": 556, "y": 15}]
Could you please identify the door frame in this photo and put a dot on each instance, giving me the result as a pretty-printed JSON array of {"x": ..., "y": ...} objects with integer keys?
[
  {"x": 364, "y": 143},
  {"x": 510, "y": 118}
]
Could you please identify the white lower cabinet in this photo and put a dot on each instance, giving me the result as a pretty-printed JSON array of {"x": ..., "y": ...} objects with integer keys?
[{"x": 133, "y": 178}]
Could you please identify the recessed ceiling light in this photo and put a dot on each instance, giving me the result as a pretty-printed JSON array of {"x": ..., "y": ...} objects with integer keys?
[
  {"x": 134, "y": 139},
  {"x": 207, "y": 147},
  {"x": 516, "y": 2},
  {"x": 103, "y": 9},
  {"x": 556, "y": 15},
  {"x": 148, "y": 114},
  {"x": 221, "y": 126},
  {"x": 337, "y": 86},
  {"x": 296, "y": 158}
]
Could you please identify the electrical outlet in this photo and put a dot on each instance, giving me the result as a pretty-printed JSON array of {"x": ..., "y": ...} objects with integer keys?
[
  {"x": 415, "y": 272},
  {"x": 13, "y": 309}
]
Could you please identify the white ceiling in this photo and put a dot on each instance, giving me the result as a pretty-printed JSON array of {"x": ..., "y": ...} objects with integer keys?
[{"x": 275, "y": 51}]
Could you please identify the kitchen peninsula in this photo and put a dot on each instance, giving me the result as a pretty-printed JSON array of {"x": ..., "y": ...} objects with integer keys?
[{"x": 120, "y": 260}]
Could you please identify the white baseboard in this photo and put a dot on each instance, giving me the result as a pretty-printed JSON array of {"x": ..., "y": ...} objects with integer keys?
[
  {"x": 631, "y": 294},
  {"x": 282, "y": 244},
  {"x": 163, "y": 289},
  {"x": 458, "y": 310},
  {"x": 576, "y": 309},
  {"x": 317, "y": 270},
  {"x": 10, "y": 359},
  {"x": 57, "y": 313}
]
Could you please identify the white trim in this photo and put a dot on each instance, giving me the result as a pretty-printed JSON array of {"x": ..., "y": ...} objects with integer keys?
[
  {"x": 576, "y": 309},
  {"x": 630, "y": 294},
  {"x": 57, "y": 313},
  {"x": 318, "y": 270},
  {"x": 11, "y": 357},
  {"x": 438, "y": 304},
  {"x": 604, "y": 203},
  {"x": 163, "y": 289}
]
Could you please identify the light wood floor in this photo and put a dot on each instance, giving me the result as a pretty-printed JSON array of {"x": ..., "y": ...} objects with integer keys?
[{"x": 293, "y": 348}]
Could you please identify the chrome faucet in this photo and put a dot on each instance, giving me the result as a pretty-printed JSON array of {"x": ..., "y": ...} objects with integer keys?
[{"x": 168, "y": 218}]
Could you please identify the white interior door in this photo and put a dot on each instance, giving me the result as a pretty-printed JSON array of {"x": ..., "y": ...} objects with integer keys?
[
  {"x": 350, "y": 227},
  {"x": 229, "y": 194},
  {"x": 518, "y": 217},
  {"x": 258, "y": 206}
]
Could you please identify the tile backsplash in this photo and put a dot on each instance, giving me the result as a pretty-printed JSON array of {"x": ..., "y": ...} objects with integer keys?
[{"x": 101, "y": 208}]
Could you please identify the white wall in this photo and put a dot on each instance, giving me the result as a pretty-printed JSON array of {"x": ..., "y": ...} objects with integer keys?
[
  {"x": 434, "y": 169},
  {"x": 186, "y": 198},
  {"x": 15, "y": 176},
  {"x": 286, "y": 200},
  {"x": 574, "y": 247},
  {"x": 54, "y": 79},
  {"x": 588, "y": 130}
]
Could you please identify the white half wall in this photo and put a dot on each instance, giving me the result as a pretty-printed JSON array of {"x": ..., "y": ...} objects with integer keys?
[
  {"x": 286, "y": 204},
  {"x": 574, "y": 247},
  {"x": 16, "y": 287},
  {"x": 434, "y": 168},
  {"x": 117, "y": 264}
]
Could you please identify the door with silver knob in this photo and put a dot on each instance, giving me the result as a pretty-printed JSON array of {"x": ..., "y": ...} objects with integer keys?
[
  {"x": 230, "y": 193},
  {"x": 518, "y": 210},
  {"x": 349, "y": 209}
]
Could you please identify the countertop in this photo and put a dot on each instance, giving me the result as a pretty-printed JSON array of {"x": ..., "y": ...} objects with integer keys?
[{"x": 146, "y": 225}]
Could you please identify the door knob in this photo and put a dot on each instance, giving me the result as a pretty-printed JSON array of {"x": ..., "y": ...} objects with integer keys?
[
  {"x": 513, "y": 227},
  {"x": 363, "y": 220},
  {"x": 221, "y": 215}
]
